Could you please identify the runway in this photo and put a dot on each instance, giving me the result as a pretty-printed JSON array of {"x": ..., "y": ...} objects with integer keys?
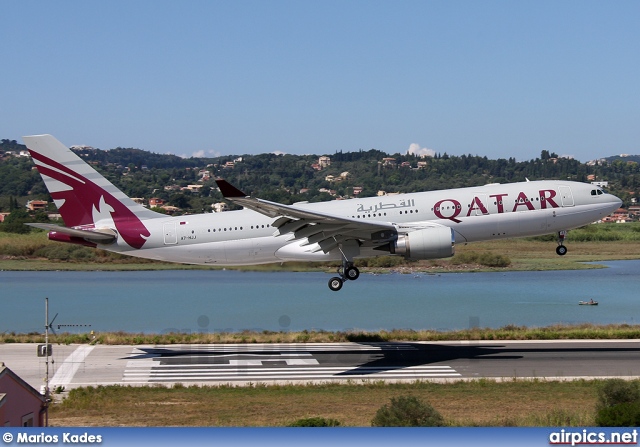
[{"x": 242, "y": 364}]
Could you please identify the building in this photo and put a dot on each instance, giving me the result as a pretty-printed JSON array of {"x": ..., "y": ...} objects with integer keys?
[
  {"x": 324, "y": 161},
  {"x": 618, "y": 216},
  {"x": 192, "y": 188},
  {"x": 154, "y": 201},
  {"x": 220, "y": 207},
  {"x": 389, "y": 162},
  {"x": 21, "y": 405},
  {"x": 37, "y": 205},
  {"x": 330, "y": 178}
]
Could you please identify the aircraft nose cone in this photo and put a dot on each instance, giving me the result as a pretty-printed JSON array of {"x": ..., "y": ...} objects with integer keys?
[{"x": 615, "y": 203}]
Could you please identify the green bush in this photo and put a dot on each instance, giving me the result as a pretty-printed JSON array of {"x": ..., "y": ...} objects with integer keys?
[
  {"x": 618, "y": 404},
  {"x": 315, "y": 422},
  {"x": 493, "y": 260},
  {"x": 617, "y": 391},
  {"x": 407, "y": 411},
  {"x": 485, "y": 258},
  {"x": 382, "y": 261},
  {"x": 626, "y": 414},
  {"x": 65, "y": 252}
]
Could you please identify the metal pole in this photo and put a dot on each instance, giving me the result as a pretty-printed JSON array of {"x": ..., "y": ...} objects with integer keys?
[{"x": 46, "y": 348}]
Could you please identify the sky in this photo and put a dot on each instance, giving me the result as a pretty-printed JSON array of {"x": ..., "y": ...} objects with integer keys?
[{"x": 491, "y": 78}]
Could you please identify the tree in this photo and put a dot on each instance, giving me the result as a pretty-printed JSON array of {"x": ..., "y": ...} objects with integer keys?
[
  {"x": 618, "y": 404},
  {"x": 15, "y": 222},
  {"x": 407, "y": 411}
]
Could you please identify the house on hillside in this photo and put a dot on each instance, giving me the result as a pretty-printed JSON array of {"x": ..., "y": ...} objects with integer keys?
[
  {"x": 37, "y": 205},
  {"x": 389, "y": 162},
  {"x": 21, "y": 405},
  {"x": 220, "y": 207},
  {"x": 618, "y": 216},
  {"x": 324, "y": 161},
  {"x": 155, "y": 201}
]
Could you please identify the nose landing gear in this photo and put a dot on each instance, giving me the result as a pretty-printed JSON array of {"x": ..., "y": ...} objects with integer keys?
[{"x": 561, "y": 250}]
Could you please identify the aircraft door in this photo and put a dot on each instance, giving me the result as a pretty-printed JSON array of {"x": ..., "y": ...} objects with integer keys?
[
  {"x": 170, "y": 234},
  {"x": 566, "y": 195}
]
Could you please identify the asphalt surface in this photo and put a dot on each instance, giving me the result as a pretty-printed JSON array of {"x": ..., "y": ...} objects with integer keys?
[{"x": 83, "y": 365}]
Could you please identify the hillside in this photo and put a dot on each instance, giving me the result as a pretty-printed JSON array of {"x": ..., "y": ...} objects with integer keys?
[{"x": 294, "y": 178}]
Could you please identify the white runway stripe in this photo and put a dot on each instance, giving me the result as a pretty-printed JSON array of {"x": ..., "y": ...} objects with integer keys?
[
  {"x": 254, "y": 362},
  {"x": 333, "y": 370},
  {"x": 295, "y": 347},
  {"x": 66, "y": 371},
  {"x": 325, "y": 373}
]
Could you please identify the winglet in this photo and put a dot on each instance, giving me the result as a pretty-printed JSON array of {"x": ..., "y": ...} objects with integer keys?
[{"x": 228, "y": 190}]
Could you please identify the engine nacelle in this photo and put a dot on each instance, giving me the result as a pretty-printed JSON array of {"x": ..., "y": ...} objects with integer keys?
[{"x": 428, "y": 243}]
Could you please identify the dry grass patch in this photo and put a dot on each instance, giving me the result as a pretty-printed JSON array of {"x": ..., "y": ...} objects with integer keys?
[{"x": 476, "y": 403}]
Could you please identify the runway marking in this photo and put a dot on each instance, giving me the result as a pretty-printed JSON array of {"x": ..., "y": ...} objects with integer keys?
[
  {"x": 267, "y": 363},
  {"x": 412, "y": 373},
  {"x": 66, "y": 371},
  {"x": 283, "y": 347}
]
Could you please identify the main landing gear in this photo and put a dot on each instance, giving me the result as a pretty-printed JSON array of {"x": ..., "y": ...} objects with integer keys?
[
  {"x": 348, "y": 271},
  {"x": 561, "y": 249}
]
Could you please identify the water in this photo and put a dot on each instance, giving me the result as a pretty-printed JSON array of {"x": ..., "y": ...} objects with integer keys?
[{"x": 161, "y": 301}]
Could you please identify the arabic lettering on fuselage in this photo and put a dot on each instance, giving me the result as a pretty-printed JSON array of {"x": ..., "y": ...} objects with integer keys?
[
  {"x": 451, "y": 209},
  {"x": 385, "y": 206}
]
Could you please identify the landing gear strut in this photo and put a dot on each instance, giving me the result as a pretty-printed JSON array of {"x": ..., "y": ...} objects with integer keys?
[
  {"x": 561, "y": 249},
  {"x": 347, "y": 271}
]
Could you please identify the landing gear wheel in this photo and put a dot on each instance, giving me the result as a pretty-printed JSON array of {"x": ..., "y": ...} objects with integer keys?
[
  {"x": 561, "y": 250},
  {"x": 352, "y": 273},
  {"x": 335, "y": 283}
]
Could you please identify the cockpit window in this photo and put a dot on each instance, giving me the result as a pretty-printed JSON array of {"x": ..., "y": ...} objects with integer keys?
[{"x": 598, "y": 192}]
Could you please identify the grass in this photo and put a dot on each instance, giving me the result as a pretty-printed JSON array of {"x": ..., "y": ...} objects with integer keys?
[
  {"x": 555, "y": 332},
  {"x": 591, "y": 243},
  {"x": 472, "y": 403}
]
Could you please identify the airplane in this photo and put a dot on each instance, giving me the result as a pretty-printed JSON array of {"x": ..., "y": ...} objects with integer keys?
[{"x": 417, "y": 226}]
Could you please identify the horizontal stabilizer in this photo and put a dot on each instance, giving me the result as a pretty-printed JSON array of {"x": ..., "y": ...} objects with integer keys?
[{"x": 99, "y": 236}]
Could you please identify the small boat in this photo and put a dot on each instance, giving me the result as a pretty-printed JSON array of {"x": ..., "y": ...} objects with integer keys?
[{"x": 588, "y": 303}]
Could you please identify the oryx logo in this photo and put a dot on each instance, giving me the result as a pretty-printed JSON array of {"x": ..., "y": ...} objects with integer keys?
[{"x": 85, "y": 202}]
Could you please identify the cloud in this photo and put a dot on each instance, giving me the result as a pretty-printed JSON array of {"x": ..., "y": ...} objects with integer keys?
[
  {"x": 415, "y": 149},
  {"x": 279, "y": 153},
  {"x": 201, "y": 154}
]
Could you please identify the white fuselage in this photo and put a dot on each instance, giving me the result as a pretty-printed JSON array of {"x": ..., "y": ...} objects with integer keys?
[{"x": 495, "y": 211}]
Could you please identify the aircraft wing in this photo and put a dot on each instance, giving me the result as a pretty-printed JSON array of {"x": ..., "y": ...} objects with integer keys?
[
  {"x": 323, "y": 228},
  {"x": 100, "y": 236}
]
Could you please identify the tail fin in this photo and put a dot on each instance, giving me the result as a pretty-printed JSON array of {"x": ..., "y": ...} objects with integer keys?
[{"x": 83, "y": 196}]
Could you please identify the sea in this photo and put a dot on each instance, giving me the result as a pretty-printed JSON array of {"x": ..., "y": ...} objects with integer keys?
[{"x": 233, "y": 301}]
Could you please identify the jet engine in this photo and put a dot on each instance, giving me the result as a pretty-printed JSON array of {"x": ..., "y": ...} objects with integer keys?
[{"x": 428, "y": 243}]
